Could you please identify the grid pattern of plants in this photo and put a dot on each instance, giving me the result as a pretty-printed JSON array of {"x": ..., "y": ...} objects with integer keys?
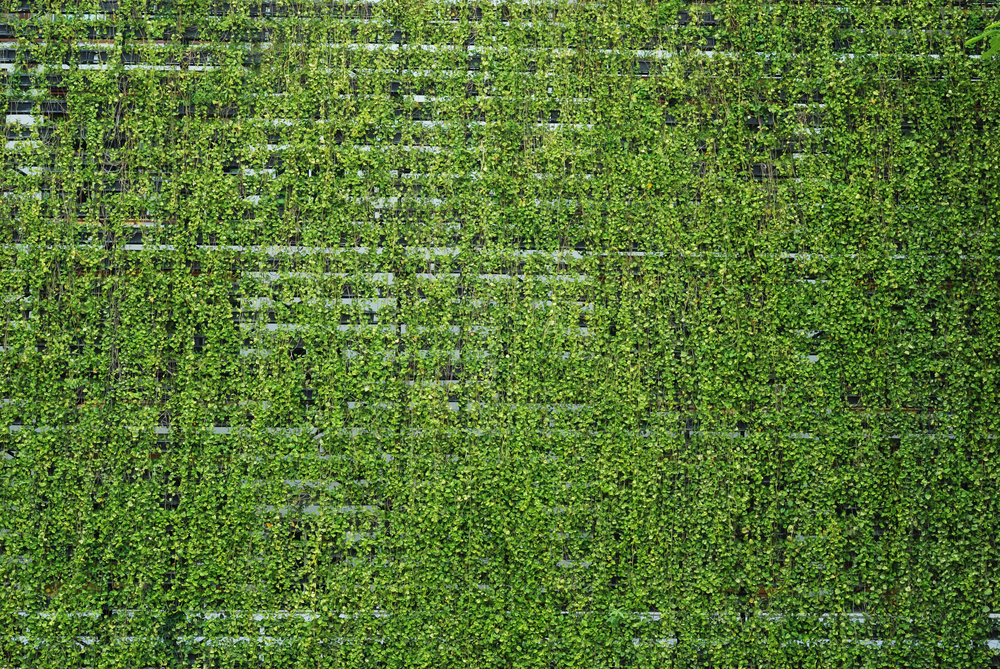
[{"x": 414, "y": 333}]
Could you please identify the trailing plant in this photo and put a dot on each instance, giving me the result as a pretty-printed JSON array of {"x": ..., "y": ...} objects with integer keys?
[{"x": 503, "y": 334}]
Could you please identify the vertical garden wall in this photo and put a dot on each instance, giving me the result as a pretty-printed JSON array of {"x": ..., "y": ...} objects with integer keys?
[{"x": 552, "y": 334}]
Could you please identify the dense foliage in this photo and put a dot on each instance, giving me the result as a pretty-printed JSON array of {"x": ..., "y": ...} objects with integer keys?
[{"x": 508, "y": 334}]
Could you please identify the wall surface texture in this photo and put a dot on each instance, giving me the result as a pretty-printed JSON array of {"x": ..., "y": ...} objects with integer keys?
[{"x": 499, "y": 334}]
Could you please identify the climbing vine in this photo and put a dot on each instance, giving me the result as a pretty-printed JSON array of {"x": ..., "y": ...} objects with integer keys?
[{"x": 535, "y": 334}]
